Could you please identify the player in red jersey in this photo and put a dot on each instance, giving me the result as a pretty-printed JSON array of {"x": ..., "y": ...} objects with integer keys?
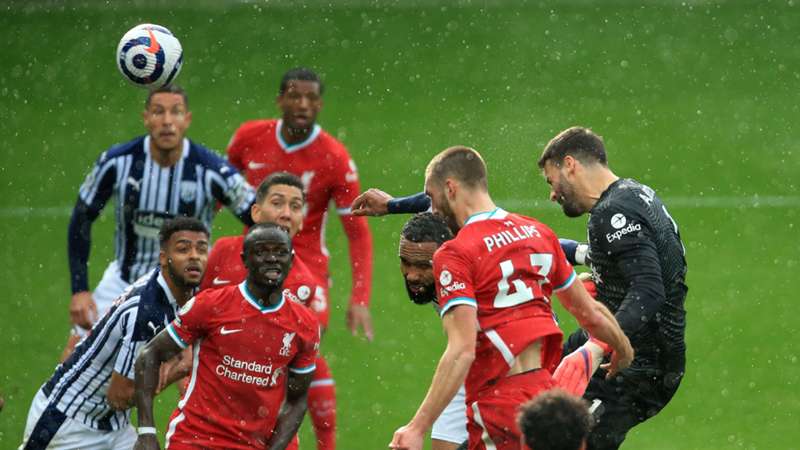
[
  {"x": 280, "y": 199},
  {"x": 494, "y": 283},
  {"x": 253, "y": 358},
  {"x": 297, "y": 144}
]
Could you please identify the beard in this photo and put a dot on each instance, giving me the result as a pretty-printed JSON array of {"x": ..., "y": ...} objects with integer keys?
[
  {"x": 425, "y": 296},
  {"x": 568, "y": 200},
  {"x": 179, "y": 280}
]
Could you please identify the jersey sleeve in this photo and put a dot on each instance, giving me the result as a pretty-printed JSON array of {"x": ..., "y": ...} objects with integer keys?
[
  {"x": 235, "y": 151},
  {"x": 454, "y": 281},
  {"x": 230, "y": 188},
  {"x": 562, "y": 274},
  {"x": 132, "y": 343},
  {"x": 345, "y": 190},
  {"x": 626, "y": 236},
  {"x": 94, "y": 193},
  {"x": 304, "y": 360},
  {"x": 192, "y": 321}
]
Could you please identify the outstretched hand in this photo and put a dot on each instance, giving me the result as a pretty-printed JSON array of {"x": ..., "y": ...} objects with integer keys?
[{"x": 372, "y": 202}]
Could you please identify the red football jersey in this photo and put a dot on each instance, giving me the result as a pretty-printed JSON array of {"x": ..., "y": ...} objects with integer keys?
[
  {"x": 225, "y": 267},
  {"x": 328, "y": 173},
  {"x": 241, "y": 354},
  {"x": 507, "y": 266}
]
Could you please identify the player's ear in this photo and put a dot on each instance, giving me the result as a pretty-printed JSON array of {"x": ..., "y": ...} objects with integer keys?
[
  {"x": 450, "y": 188},
  {"x": 162, "y": 258},
  {"x": 255, "y": 213},
  {"x": 188, "y": 118}
]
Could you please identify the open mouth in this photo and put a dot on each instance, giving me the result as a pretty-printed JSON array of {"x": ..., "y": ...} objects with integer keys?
[
  {"x": 194, "y": 270},
  {"x": 272, "y": 273}
]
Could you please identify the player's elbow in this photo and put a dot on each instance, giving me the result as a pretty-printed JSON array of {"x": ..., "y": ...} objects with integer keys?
[
  {"x": 591, "y": 320},
  {"x": 464, "y": 354}
]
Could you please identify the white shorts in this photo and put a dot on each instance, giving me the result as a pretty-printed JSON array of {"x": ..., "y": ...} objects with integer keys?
[
  {"x": 52, "y": 430},
  {"x": 110, "y": 287},
  {"x": 451, "y": 426}
]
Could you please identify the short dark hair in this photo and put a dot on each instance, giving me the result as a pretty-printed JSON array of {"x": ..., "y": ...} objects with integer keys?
[
  {"x": 289, "y": 179},
  {"x": 462, "y": 163},
  {"x": 302, "y": 74},
  {"x": 579, "y": 142},
  {"x": 169, "y": 89},
  {"x": 180, "y": 223},
  {"x": 426, "y": 227},
  {"x": 555, "y": 420},
  {"x": 267, "y": 226}
]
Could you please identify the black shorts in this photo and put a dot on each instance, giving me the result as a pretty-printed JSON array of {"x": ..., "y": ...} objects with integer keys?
[{"x": 625, "y": 400}]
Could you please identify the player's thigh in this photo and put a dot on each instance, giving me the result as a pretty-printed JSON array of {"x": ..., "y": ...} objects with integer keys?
[
  {"x": 451, "y": 425},
  {"x": 615, "y": 411}
]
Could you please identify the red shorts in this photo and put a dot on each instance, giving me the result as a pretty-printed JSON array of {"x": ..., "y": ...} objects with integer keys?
[{"x": 492, "y": 418}]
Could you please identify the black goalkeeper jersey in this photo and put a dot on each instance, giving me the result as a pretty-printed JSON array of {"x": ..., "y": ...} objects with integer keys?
[{"x": 638, "y": 263}]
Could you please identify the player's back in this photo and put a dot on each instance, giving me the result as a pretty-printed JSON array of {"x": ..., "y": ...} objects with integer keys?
[
  {"x": 241, "y": 356},
  {"x": 507, "y": 266}
]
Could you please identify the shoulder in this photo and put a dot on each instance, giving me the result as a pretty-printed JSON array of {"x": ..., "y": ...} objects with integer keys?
[
  {"x": 306, "y": 320},
  {"x": 627, "y": 197},
  {"x": 131, "y": 147},
  {"x": 254, "y": 128},
  {"x": 333, "y": 146},
  {"x": 228, "y": 243},
  {"x": 544, "y": 230},
  {"x": 203, "y": 155}
]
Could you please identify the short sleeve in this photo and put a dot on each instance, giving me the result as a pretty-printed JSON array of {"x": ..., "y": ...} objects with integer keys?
[
  {"x": 235, "y": 152},
  {"x": 562, "y": 274},
  {"x": 132, "y": 344},
  {"x": 454, "y": 283},
  {"x": 191, "y": 323},
  {"x": 304, "y": 360},
  {"x": 98, "y": 186}
]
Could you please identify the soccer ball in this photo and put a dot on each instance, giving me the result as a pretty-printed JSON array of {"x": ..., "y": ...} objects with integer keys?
[{"x": 149, "y": 56}]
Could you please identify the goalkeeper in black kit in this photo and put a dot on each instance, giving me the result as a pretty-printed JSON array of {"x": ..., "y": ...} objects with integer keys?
[{"x": 638, "y": 264}]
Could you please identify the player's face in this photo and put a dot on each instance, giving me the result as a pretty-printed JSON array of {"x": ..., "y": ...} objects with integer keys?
[
  {"x": 441, "y": 206},
  {"x": 267, "y": 257},
  {"x": 283, "y": 205},
  {"x": 185, "y": 257},
  {"x": 416, "y": 265},
  {"x": 300, "y": 104},
  {"x": 561, "y": 190},
  {"x": 167, "y": 120}
]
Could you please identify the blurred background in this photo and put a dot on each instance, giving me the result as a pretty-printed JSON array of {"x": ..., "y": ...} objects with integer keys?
[{"x": 698, "y": 99}]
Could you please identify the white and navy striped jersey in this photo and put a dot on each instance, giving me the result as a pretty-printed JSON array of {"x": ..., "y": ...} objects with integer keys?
[
  {"x": 146, "y": 195},
  {"x": 79, "y": 385}
]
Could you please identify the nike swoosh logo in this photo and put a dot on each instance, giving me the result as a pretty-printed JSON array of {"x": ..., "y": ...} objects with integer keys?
[
  {"x": 216, "y": 281},
  {"x": 224, "y": 331},
  {"x": 154, "y": 46},
  {"x": 254, "y": 165}
]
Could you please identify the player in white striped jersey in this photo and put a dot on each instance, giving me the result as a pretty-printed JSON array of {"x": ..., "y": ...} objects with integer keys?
[
  {"x": 85, "y": 404},
  {"x": 153, "y": 178}
]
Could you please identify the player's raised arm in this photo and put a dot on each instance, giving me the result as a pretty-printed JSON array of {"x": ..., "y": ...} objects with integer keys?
[
  {"x": 160, "y": 349},
  {"x": 598, "y": 321}
]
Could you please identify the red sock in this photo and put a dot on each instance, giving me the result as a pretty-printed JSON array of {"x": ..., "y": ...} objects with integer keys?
[{"x": 322, "y": 406}]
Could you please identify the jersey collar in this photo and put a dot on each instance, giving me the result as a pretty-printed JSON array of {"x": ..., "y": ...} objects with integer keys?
[
  {"x": 252, "y": 300},
  {"x": 146, "y": 145},
  {"x": 300, "y": 145},
  {"x": 497, "y": 213},
  {"x": 167, "y": 291}
]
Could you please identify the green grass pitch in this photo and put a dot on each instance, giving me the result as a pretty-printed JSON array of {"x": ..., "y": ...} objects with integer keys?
[{"x": 698, "y": 99}]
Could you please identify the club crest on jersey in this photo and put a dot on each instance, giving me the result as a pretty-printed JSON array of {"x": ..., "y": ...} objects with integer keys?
[
  {"x": 188, "y": 191},
  {"x": 287, "y": 344},
  {"x": 303, "y": 292},
  {"x": 445, "y": 278}
]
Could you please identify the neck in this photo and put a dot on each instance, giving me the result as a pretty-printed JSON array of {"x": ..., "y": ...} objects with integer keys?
[
  {"x": 474, "y": 202},
  {"x": 295, "y": 135},
  {"x": 597, "y": 181},
  {"x": 166, "y": 157},
  {"x": 181, "y": 292},
  {"x": 265, "y": 295}
]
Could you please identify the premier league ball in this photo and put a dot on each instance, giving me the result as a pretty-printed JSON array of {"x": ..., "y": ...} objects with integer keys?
[{"x": 149, "y": 56}]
